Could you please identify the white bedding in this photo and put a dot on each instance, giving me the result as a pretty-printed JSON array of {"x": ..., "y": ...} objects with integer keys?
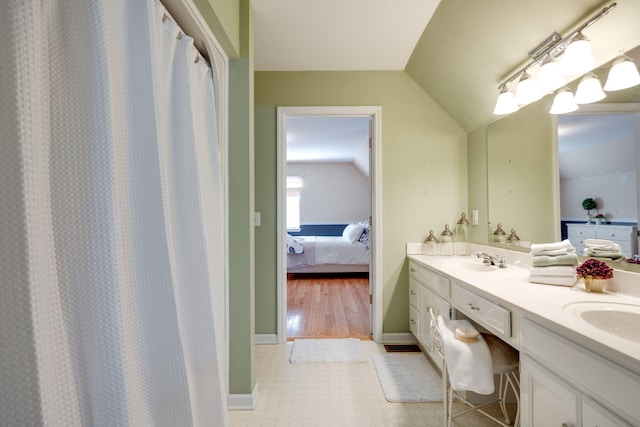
[{"x": 320, "y": 250}]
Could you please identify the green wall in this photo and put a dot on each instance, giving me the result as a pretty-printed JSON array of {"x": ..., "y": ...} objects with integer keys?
[{"x": 424, "y": 172}]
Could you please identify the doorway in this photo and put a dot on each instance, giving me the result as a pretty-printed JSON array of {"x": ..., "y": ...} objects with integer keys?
[{"x": 372, "y": 115}]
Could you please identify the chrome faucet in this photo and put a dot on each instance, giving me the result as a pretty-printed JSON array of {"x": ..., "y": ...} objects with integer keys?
[{"x": 491, "y": 260}]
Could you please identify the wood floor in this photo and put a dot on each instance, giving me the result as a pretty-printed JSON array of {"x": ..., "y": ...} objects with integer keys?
[{"x": 328, "y": 306}]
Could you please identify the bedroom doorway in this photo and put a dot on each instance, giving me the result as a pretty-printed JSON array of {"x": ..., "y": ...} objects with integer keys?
[{"x": 348, "y": 178}]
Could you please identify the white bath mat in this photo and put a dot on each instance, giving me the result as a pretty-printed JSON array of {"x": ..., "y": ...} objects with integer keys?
[
  {"x": 347, "y": 350},
  {"x": 407, "y": 378}
]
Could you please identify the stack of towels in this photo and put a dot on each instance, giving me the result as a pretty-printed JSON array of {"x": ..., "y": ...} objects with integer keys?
[
  {"x": 553, "y": 263},
  {"x": 605, "y": 249}
]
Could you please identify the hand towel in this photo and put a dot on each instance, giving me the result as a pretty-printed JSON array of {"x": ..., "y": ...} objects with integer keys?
[
  {"x": 553, "y": 280},
  {"x": 611, "y": 256},
  {"x": 554, "y": 270},
  {"x": 470, "y": 365},
  {"x": 602, "y": 245},
  {"x": 558, "y": 248},
  {"x": 546, "y": 260}
]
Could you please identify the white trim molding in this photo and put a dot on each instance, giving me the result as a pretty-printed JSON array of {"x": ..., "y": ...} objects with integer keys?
[
  {"x": 243, "y": 402},
  {"x": 266, "y": 339},
  {"x": 375, "y": 268}
]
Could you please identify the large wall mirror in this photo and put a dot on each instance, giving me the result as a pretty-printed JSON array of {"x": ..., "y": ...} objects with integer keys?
[{"x": 524, "y": 175}]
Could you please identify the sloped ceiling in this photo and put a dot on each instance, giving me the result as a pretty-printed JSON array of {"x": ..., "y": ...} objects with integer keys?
[{"x": 470, "y": 46}]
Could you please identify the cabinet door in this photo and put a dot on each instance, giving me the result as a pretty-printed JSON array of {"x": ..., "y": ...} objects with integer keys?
[
  {"x": 545, "y": 399},
  {"x": 594, "y": 415},
  {"x": 440, "y": 306}
]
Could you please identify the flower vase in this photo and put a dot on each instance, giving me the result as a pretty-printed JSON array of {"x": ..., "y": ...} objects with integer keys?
[
  {"x": 594, "y": 285},
  {"x": 598, "y": 221}
]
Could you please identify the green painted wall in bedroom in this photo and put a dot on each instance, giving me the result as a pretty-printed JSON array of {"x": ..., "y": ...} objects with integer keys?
[{"x": 424, "y": 172}]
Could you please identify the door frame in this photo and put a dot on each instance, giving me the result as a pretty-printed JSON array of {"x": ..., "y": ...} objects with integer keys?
[{"x": 375, "y": 182}]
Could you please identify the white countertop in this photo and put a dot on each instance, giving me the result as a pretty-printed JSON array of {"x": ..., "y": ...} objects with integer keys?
[{"x": 543, "y": 304}]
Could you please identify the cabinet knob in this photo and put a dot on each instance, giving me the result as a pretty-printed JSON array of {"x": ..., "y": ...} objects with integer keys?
[
  {"x": 412, "y": 292},
  {"x": 473, "y": 307},
  {"x": 413, "y": 322},
  {"x": 413, "y": 270}
]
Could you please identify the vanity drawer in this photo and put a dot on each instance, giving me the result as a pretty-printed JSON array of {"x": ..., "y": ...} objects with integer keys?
[
  {"x": 437, "y": 283},
  {"x": 414, "y": 270},
  {"x": 414, "y": 321},
  {"x": 414, "y": 299},
  {"x": 487, "y": 313}
]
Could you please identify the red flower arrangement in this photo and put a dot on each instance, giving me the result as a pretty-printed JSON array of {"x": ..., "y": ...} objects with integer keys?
[{"x": 594, "y": 268}]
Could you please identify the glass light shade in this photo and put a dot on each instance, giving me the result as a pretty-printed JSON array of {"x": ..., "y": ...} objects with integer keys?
[
  {"x": 577, "y": 58},
  {"x": 563, "y": 102},
  {"x": 550, "y": 77},
  {"x": 589, "y": 90},
  {"x": 527, "y": 90},
  {"x": 506, "y": 103},
  {"x": 624, "y": 74}
]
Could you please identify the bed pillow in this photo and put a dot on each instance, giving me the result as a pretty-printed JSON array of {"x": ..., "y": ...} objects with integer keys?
[{"x": 352, "y": 232}]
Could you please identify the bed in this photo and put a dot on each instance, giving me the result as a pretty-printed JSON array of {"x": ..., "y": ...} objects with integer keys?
[{"x": 348, "y": 253}]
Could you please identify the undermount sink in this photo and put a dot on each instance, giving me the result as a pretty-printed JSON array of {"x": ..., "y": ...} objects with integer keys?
[
  {"x": 617, "y": 319},
  {"x": 467, "y": 264}
]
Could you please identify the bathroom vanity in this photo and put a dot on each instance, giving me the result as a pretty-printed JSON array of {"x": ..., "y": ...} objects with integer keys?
[{"x": 572, "y": 372}]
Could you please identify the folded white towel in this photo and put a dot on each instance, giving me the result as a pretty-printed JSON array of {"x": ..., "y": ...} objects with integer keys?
[
  {"x": 470, "y": 365},
  {"x": 558, "y": 248},
  {"x": 553, "y": 280},
  {"x": 554, "y": 270},
  {"x": 602, "y": 245}
]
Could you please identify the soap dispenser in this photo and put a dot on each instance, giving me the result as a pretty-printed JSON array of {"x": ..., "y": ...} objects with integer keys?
[
  {"x": 445, "y": 241},
  {"x": 430, "y": 245},
  {"x": 462, "y": 236},
  {"x": 499, "y": 235}
]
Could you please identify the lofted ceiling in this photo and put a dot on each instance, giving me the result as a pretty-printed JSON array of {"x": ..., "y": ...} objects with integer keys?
[{"x": 465, "y": 51}]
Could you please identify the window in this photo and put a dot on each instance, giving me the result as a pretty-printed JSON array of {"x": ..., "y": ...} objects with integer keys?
[{"x": 294, "y": 189}]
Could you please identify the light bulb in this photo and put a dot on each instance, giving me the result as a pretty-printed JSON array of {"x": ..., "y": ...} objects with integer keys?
[
  {"x": 563, "y": 102},
  {"x": 527, "y": 90},
  {"x": 506, "y": 103},
  {"x": 577, "y": 58},
  {"x": 623, "y": 74},
  {"x": 589, "y": 90},
  {"x": 549, "y": 76}
]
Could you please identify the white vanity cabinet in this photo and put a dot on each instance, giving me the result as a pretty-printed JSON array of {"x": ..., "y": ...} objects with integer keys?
[
  {"x": 544, "y": 399},
  {"x": 625, "y": 236},
  {"x": 427, "y": 290},
  {"x": 560, "y": 383}
]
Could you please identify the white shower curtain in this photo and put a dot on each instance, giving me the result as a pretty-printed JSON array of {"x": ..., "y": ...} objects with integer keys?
[{"x": 111, "y": 217}]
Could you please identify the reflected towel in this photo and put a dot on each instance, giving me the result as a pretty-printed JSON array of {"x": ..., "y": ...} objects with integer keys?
[
  {"x": 559, "y": 248},
  {"x": 610, "y": 256},
  {"x": 554, "y": 270},
  {"x": 553, "y": 280},
  {"x": 601, "y": 245},
  {"x": 470, "y": 365},
  {"x": 546, "y": 260}
]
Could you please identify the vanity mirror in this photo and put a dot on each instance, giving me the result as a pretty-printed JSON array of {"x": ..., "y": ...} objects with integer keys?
[{"x": 522, "y": 161}]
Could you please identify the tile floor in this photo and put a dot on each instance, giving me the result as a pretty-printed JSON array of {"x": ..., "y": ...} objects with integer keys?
[{"x": 332, "y": 395}]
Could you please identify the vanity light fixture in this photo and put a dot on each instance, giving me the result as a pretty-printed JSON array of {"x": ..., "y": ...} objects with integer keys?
[
  {"x": 589, "y": 90},
  {"x": 574, "y": 55},
  {"x": 527, "y": 90},
  {"x": 623, "y": 74},
  {"x": 563, "y": 102},
  {"x": 506, "y": 102},
  {"x": 549, "y": 76},
  {"x": 577, "y": 58}
]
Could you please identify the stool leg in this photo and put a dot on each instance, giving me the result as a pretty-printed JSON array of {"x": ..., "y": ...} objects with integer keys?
[{"x": 503, "y": 397}]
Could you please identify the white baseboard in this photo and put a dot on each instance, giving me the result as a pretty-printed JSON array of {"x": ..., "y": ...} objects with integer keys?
[
  {"x": 243, "y": 402},
  {"x": 399, "y": 338},
  {"x": 266, "y": 339}
]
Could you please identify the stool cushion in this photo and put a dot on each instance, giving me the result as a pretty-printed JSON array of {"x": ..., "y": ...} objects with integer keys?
[{"x": 505, "y": 358}]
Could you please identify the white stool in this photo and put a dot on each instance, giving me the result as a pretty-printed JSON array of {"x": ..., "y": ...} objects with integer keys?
[{"x": 505, "y": 364}]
